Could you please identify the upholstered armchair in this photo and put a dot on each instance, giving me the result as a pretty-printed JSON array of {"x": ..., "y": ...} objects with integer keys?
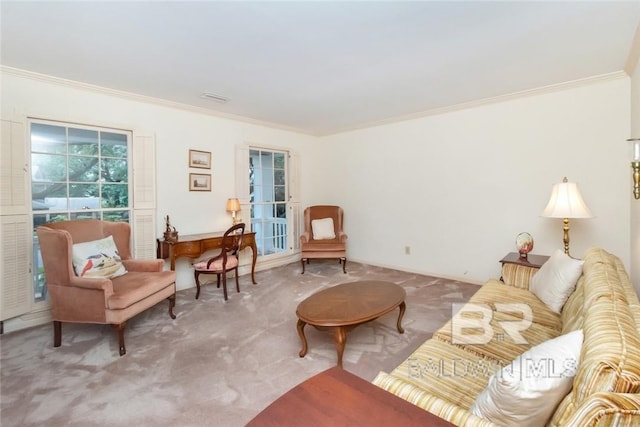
[
  {"x": 110, "y": 287},
  {"x": 323, "y": 236}
]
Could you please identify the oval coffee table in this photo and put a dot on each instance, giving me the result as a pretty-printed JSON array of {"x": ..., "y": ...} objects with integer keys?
[{"x": 343, "y": 307}]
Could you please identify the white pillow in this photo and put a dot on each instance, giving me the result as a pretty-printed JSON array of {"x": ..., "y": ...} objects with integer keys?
[
  {"x": 98, "y": 258},
  {"x": 556, "y": 280},
  {"x": 323, "y": 229},
  {"x": 527, "y": 392}
]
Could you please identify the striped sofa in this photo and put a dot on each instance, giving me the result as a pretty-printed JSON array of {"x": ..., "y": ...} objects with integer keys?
[{"x": 445, "y": 378}]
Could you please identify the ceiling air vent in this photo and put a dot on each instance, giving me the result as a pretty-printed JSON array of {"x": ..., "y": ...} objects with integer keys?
[{"x": 214, "y": 97}]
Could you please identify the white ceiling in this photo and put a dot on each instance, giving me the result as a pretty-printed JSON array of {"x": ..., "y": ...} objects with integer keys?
[{"x": 319, "y": 67}]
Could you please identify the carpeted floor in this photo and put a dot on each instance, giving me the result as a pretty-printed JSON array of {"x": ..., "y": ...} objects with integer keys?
[{"x": 217, "y": 364}]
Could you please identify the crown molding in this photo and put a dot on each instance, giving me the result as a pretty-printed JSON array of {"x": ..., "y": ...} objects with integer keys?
[
  {"x": 142, "y": 98},
  {"x": 417, "y": 115},
  {"x": 492, "y": 100}
]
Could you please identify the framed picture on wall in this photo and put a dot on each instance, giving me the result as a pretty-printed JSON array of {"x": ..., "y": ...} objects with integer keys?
[
  {"x": 200, "y": 159},
  {"x": 199, "y": 182}
]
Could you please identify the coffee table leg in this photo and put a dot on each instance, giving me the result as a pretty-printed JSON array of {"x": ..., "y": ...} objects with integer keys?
[
  {"x": 340, "y": 339},
  {"x": 403, "y": 307},
  {"x": 301, "y": 326}
]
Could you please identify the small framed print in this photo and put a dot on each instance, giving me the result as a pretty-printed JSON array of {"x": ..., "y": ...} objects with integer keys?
[
  {"x": 199, "y": 182},
  {"x": 200, "y": 159}
]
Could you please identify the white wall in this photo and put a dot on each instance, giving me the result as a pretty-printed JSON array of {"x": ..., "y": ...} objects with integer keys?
[
  {"x": 458, "y": 187},
  {"x": 176, "y": 132}
]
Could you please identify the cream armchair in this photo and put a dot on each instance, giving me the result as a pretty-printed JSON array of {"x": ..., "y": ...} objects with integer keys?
[
  {"x": 113, "y": 301},
  {"x": 323, "y": 238}
]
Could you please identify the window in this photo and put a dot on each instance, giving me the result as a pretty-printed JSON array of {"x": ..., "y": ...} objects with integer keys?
[
  {"x": 268, "y": 199},
  {"x": 77, "y": 172}
]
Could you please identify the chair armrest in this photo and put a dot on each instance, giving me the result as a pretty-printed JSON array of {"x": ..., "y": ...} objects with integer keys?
[
  {"x": 606, "y": 408},
  {"x": 92, "y": 283},
  {"x": 342, "y": 237},
  {"x": 144, "y": 265},
  {"x": 305, "y": 237},
  {"x": 518, "y": 276}
]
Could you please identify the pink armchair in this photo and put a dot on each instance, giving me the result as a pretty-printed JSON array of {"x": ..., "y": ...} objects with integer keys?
[
  {"x": 333, "y": 246},
  {"x": 98, "y": 300}
]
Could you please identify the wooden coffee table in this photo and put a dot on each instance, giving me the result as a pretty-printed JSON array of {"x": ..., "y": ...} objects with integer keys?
[
  {"x": 343, "y": 307},
  {"x": 336, "y": 397}
]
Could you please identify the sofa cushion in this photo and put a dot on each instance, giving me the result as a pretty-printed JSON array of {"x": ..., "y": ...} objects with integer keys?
[
  {"x": 498, "y": 344},
  {"x": 97, "y": 258},
  {"x": 495, "y": 291},
  {"x": 447, "y": 371},
  {"x": 527, "y": 391},
  {"x": 611, "y": 357},
  {"x": 556, "y": 280},
  {"x": 323, "y": 229}
]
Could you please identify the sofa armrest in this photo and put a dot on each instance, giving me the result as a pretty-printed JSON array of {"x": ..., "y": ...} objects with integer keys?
[
  {"x": 518, "y": 276},
  {"x": 430, "y": 403},
  {"x": 144, "y": 265},
  {"x": 607, "y": 409}
]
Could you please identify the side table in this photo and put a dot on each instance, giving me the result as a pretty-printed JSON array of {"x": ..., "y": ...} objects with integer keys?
[{"x": 533, "y": 261}]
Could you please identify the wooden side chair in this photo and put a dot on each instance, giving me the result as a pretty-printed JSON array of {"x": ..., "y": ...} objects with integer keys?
[
  {"x": 226, "y": 261},
  {"x": 323, "y": 236}
]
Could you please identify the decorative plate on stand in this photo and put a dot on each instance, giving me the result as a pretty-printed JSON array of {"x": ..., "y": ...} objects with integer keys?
[{"x": 524, "y": 243}]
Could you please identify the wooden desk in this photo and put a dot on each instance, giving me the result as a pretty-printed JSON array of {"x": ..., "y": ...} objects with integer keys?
[
  {"x": 194, "y": 245},
  {"x": 336, "y": 397}
]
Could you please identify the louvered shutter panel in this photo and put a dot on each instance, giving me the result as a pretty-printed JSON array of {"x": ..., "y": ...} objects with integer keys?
[
  {"x": 296, "y": 224},
  {"x": 13, "y": 169},
  {"x": 242, "y": 175},
  {"x": 15, "y": 258},
  {"x": 144, "y": 196},
  {"x": 294, "y": 177}
]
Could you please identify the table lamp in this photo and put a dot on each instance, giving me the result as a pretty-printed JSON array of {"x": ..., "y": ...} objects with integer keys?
[
  {"x": 566, "y": 202},
  {"x": 233, "y": 206}
]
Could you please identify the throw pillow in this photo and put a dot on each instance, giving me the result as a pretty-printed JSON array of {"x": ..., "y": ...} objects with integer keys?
[
  {"x": 526, "y": 392},
  {"x": 556, "y": 280},
  {"x": 98, "y": 258},
  {"x": 323, "y": 229}
]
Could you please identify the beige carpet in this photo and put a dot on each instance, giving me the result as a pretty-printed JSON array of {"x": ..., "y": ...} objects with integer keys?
[{"x": 217, "y": 364}]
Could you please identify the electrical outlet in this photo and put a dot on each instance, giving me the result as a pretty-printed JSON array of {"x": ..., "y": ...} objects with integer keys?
[{"x": 407, "y": 250}]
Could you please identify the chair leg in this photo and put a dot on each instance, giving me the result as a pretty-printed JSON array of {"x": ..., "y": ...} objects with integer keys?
[
  {"x": 218, "y": 280},
  {"x": 121, "y": 328},
  {"x": 57, "y": 333},
  {"x": 302, "y": 262},
  {"x": 197, "y": 274},
  {"x": 344, "y": 265},
  {"x": 172, "y": 304},
  {"x": 237, "y": 284},
  {"x": 224, "y": 286}
]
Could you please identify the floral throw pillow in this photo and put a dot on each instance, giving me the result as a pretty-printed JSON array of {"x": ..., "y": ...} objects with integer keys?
[{"x": 98, "y": 258}]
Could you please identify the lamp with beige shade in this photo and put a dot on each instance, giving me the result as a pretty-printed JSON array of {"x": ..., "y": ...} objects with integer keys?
[{"x": 566, "y": 202}]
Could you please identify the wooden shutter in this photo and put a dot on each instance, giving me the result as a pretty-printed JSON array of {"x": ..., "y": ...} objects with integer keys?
[
  {"x": 242, "y": 175},
  {"x": 295, "y": 222},
  {"x": 16, "y": 293},
  {"x": 16, "y": 290},
  {"x": 144, "y": 196},
  {"x": 294, "y": 177},
  {"x": 13, "y": 169}
]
